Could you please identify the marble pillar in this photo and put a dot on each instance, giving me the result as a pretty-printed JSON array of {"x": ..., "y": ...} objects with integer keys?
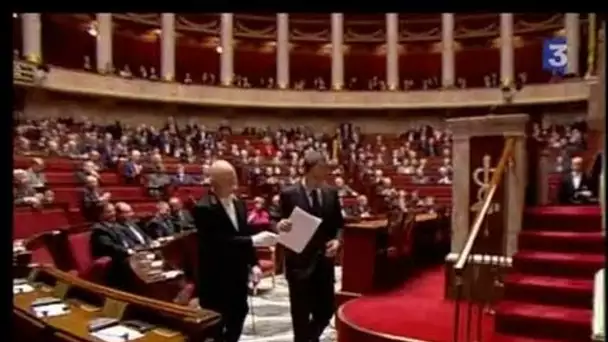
[
  {"x": 337, "y": 51},
  {"x": 104, "y": 43},
  {"x": 463, "y": 129},
  {"x": 227, "y": 49},
  {"x": 282, "y": 50},
  {"x": 572, "y": 24},
  {"x": 507, "y": 67},
  {"x": 448, "y": 70},
  {"x": 32, "y": 37},
  {"x": 167, "y": 55},
  {"x": 392, "y": 51}
]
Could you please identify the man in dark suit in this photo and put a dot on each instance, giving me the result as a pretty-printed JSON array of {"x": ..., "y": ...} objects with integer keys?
[
  {"x": 182, "y": 178},
  {"x": 108, "y": 239},
  {"x": 227, "y": 252},
  {"x": 136, "y": 237},
  {"x": 310, "y": 274},
  {"x": 576, "y": 187},
  {"x": 161, "y": 225},
  {"x": 182, "y": 219},
  {"x": 93, "y": 199}
]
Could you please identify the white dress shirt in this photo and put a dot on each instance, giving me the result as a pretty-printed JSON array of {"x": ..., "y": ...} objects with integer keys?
[
  {"x": 228, "y": 204},
  {"x": 576, "y": 180}
]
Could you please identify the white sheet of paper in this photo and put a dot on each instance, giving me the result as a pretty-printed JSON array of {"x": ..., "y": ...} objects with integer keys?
[
  {"x": 50, "y": 310},
  {"x": 303, "y": 227},
  {"x": 117, "y": 333},
  {"x": 22, "y": 288}
]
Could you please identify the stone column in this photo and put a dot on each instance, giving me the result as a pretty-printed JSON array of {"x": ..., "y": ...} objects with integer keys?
[
  {"x": 227, "y": 52},
  {"x": 572, "y": 24},
  {"x": 448, "y": 72},
  {"x": 104, "y": 42},
  {"x": 283, "y": 50},
  {"x": 167, "y": 55},
  {"x": 463, "y": 129},
  {"x": 392, "y": 51},
  {"x": 337, "y": 51},
  {"x": 32, "y": 37},
  {"x": 507, "y": 67}
]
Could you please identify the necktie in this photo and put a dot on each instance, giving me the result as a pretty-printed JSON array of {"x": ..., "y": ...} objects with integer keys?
[{"x": 316, "y": 204}]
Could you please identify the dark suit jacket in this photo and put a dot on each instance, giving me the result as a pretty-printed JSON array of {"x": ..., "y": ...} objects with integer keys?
[
  {"x": 107, "y": 239},
  {"x": 185, "y": 180},
  {"x": 131, "y": 238},
  {"x": 160, "y": 227},
  {"x": 567, "y": 191},
  {"x": 225, "y": 253},
  {"x": 302, "y": 265},
  {"x": 91, "y": 207},
  {"x": 182, "y": 221}
]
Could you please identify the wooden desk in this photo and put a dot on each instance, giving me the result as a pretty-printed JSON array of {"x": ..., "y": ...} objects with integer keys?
[
  {"x": 362, "y": 244},
  {"x": 87, "y": 301},
  {"x": 148, "y": 276}
]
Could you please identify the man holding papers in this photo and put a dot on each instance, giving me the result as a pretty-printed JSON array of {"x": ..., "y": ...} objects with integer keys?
[
  {"x": 227, "y": 256},
  {"x": 311, "y": 211}
]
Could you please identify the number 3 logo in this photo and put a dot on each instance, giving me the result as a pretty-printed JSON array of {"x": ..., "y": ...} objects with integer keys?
[{"x": 560, "y": 57}]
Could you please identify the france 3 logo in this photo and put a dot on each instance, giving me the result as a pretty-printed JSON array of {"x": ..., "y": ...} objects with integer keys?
[{"x": 555, "y": 55}]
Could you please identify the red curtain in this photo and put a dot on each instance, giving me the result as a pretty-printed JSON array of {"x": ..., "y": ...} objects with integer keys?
[
  {"x": 17, "y": 36},
  {"x": 135, "y": 52},
  {"x": 196, "y": 60},
  {"x": 364, "y": 66},
  {"x": 255, "y": 65},
  {"x": 308, "y": 66},
  {"x": 473, "y": 64},
  {"x": 528, "y": 59},
  {"x": 55, "y": 51},
  {"x": 419, "y": 66}
]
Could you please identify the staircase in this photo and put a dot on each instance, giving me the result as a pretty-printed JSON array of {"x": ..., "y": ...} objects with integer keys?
[{"x": 548, "y": 294}]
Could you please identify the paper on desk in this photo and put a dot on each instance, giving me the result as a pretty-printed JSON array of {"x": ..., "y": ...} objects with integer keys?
[
  {"x": 51, "y": 310},
  {"x": 22, "y": 288},
  {"x": 172, "y": 274},
  {"x": 303, "y": 227},
  {"x": 117, "y": 333}
]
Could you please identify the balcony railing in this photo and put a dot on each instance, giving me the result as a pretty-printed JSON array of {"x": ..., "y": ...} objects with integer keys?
[{"x": 78, "y": 82}]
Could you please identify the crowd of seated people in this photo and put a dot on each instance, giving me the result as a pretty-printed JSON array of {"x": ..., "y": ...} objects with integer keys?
[{"x": 315, "y": 83}]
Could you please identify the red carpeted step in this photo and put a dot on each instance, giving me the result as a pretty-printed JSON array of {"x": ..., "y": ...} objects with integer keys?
[
  {"x": 576, "y": 265},
  {"x": 543, "y": 321},
  {"x": 513, "y": 338},
  {"x": 562, "y": 241},
  {"x": 574, "y": 219},
  {"x": 549, "y": 290}
]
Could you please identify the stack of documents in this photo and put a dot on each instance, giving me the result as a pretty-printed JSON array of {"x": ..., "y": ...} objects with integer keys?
[
  {"x": 117, "y": 333},
  {"x": 22, "y": 288},
  {"x": 303, "y": 227},
  {"x": 50, "y": 310}
]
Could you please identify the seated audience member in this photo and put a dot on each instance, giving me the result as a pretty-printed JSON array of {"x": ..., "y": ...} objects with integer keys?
[
  {"x": 429, "y": 205},
  {"x": 109, "y": 240},
  {"x": 136, "y": 237},
  {"x": 401, "y": 201},
  {"x": 419, "y": 177},
  {"x": 97, "y": 161},
  {"x": 182, "y": 178},
  {"x": 405, "y": 168},
  {"x": 87, "y": 170},
  {"x": 93, "y": 199},
  {"x": 161, "y": 225},
  {"x": 576, "y": 187},
  {"x": 35, "y": 176},
  {"x": 274, "y": 209},
  {"x": 258, "y": 216},
  {"x": 347, "y": 211},
  {"x": 343, "y": 189},
  {"x": 385, "y": 187},
  {"x": 362, "y": 208},
  {"x": 23, "y": 192},
  {"x": 205, "y": 179},
  {"x": 133, "y": 168},
  {"x": 157, "y": 182},
  {"x": 444, "y": 177},
  {"x": 415, "y": 200},
  {"x": 559, "y": 164},
  {"x": 182, "y": 219}
]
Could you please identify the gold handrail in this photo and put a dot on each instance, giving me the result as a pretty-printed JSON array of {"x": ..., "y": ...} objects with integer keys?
[{"x": 507, "y": 152}]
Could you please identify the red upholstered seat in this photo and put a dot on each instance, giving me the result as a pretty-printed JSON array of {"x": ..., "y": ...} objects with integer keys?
[
  {"x": 84, "y": 265},
  {"x": 28, "y": 222},
  {"x": 267, "y": 261}
]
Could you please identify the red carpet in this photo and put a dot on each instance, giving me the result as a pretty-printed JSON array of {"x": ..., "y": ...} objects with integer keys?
[
  {"x": 416, "y": 311},
  {"x": 547, "y": 297},
  {"x": 549, "y": 293}
]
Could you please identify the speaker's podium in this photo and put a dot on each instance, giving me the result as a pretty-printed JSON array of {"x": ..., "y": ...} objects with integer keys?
[{"x": 361, "y": 243}]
